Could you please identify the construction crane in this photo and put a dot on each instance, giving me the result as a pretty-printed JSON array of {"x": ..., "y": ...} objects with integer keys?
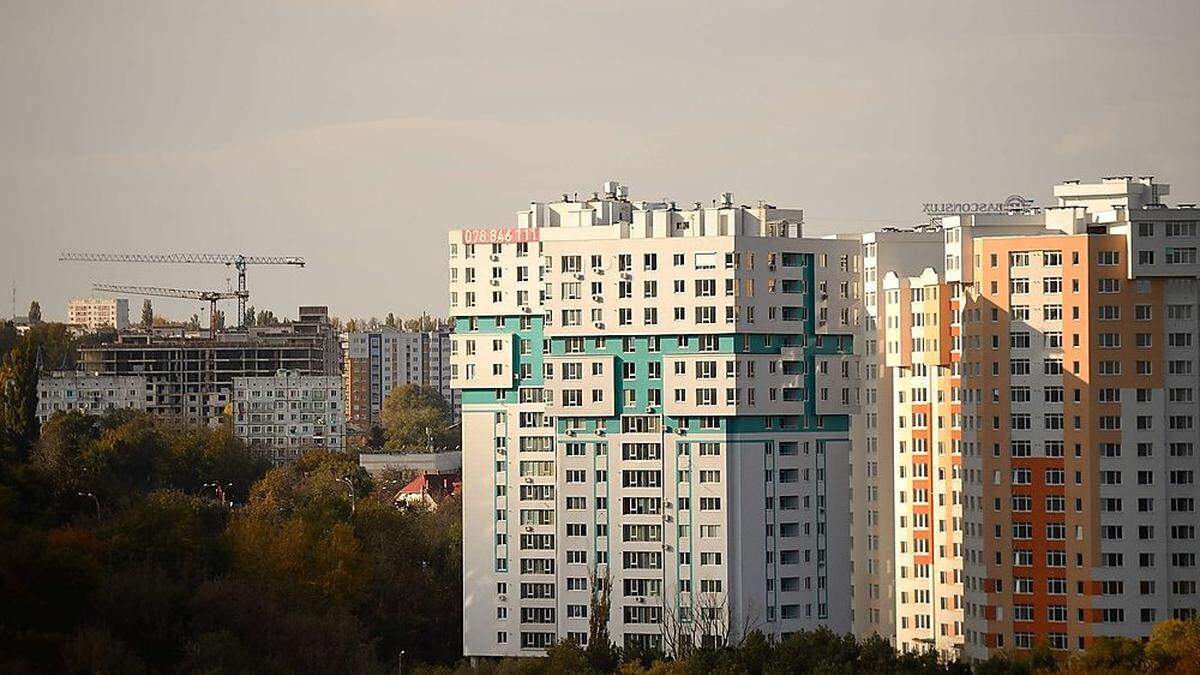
[
  {"x": 159, "y": 292},
  {"x": 235, "y": 260}
]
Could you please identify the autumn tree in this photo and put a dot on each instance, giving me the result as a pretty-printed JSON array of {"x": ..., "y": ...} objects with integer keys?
[
  {"x": 147, "y": 314},
  {"x": 35, "y": 312},
  {"x": 416, "y": 418}
]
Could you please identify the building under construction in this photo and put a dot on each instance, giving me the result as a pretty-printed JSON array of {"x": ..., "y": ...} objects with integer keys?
[{"x": 189, "y": 376}]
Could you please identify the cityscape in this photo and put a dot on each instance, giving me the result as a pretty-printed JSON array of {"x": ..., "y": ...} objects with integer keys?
[{"x": 596, "y": 429}]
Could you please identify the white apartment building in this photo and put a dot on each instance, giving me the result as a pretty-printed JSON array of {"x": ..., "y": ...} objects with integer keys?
[
  {"x": 379, "y": 361},
  {"x": 96, "y": 313},
  {"x": 660, "y": 396},
  {"x": 904, "y": 251},
  {"x": 285, "y": 414},
  {"x": 89, "y": 393}
]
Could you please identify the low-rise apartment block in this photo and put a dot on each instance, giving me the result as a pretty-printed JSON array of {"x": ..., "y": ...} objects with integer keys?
[
  {"x": 288, "y": 413},
  {"x": 89, "y": 393}
]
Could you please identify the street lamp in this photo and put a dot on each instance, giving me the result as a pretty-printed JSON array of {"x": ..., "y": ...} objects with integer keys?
[
  {"x": 350, "y": 484},
  {"x": 401, "y": 662},
  {"x": 94, "y": 499}
]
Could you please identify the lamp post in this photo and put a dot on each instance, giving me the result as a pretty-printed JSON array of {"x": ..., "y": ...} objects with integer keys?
[
  {"x": 350, "y": 484},
  {"x": 401, "y": 662},
  {"x": 96, "y": 501}
]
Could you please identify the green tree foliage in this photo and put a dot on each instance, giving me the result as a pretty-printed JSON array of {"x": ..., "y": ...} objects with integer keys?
[
  {"x": 147, "y": 314},
  {"x": 8, "y": 337},
  {"x": 416, "y": 417},
  {"x": 167, "y": 579},
  {"x": 250, "y": 316},
  {"x": 35, "y": 312},
  {"x": 266, "y": 318},
  {"x": 18, "y": 397}
]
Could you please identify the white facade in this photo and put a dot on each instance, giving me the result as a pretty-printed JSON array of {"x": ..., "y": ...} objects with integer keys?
[
  {"x": 96, "y": 313},
  {"x": 662, "y": 396},
  {"x": 287, "y": 413},
  {"x": 89, "y": 393}
]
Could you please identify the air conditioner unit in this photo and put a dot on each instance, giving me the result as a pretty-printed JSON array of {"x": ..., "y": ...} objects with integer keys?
[
  {"x": 495, "y": 282},
  {"x": 570, "y": 432},
  {"x": 600, "y": 431},
  {"x": 641, "y": 601},
  {"x": 529, "y": 528},
  {"x": 626, "y": 275},
  {"x": 598, "y": 324},
  {"x": 528, "y": 479},
  {"x": 598, "y": 298},
  {"x": 649, "y": 408},
  {"x": 579, "y": 276},
  {"x": 526, "y": 309},
  {"x": 502, "y": 598},
  {"x": 494, "y": 258}
]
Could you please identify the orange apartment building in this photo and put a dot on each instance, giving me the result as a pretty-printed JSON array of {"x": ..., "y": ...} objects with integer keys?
[{"x": 1043, "y": 413}]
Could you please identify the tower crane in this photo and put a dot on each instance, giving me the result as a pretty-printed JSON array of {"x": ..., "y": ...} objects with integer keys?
[
  {"x": 235, "y": 260},
  {"x": 159, "y": 292}
]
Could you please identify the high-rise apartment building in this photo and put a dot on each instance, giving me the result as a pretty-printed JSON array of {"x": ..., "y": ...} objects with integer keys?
[
  {"x": 1042, "y": 414},
  {"x": 378, "y": 361},
  {"x": 94, "y": 314},
  {"x": 289, "y": 412},
  {"x": 659, "y": 396},
  {"x": 905, "y": 251}
]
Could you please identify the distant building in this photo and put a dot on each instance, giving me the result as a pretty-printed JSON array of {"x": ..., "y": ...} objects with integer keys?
[
  {"x": 191, "y": 373},
  {"x": 94, "y": 314},
  {"x": 425, "y": 462},
  {"x": 381, "y": 360},
  {"x": 89, "y": 393},
  {"x": 290, "y": 412}
]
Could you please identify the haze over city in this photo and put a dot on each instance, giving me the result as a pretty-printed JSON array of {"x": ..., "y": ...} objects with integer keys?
[{"x": 357, "y": 133}]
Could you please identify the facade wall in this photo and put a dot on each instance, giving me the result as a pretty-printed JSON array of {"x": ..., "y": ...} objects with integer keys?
[
  {"x": 378, "y": 361},
  {"x": 716, "y": 496},
  {"x": 90, "y": 394},
  {"x": 285, "y": 414},
  {"x": 96, "y": 313}
]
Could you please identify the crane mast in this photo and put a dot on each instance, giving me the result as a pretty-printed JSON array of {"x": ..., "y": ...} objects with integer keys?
[{"x": 235, "y": 260}]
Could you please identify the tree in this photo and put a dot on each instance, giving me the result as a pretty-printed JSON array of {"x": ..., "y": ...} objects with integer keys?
[
  {"x": 376, "y": 438},
  {"x": 8, "y": 337},
  {"x": 219, "y": 315},
  {"x": 249, "y": 318},
  {"x": 194, "y": 322},
  {"x": 18, "y": 397},
  {"x": 416, "y": 418},
  {"x": 147, "y": 314},
  {"x": 35, "y": 312},
  {"x": 603, "y": 656},
  {"x": 266, "y": 318},
  {"x": 390, "y": 321}
]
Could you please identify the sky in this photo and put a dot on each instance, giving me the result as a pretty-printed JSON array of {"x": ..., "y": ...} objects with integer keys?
[{"x": 356, "y": 134}]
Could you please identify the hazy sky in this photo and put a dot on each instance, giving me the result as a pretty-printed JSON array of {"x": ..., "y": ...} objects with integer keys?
[{"x": 357, "y": 133}]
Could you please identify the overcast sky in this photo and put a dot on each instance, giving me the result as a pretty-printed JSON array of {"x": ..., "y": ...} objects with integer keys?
[{"x": 357, "y": 133}]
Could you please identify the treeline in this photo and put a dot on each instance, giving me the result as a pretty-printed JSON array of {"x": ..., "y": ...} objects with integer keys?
[
  {"x": 132, "y": 545},
  {"x": 1173, "y": 649}
]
